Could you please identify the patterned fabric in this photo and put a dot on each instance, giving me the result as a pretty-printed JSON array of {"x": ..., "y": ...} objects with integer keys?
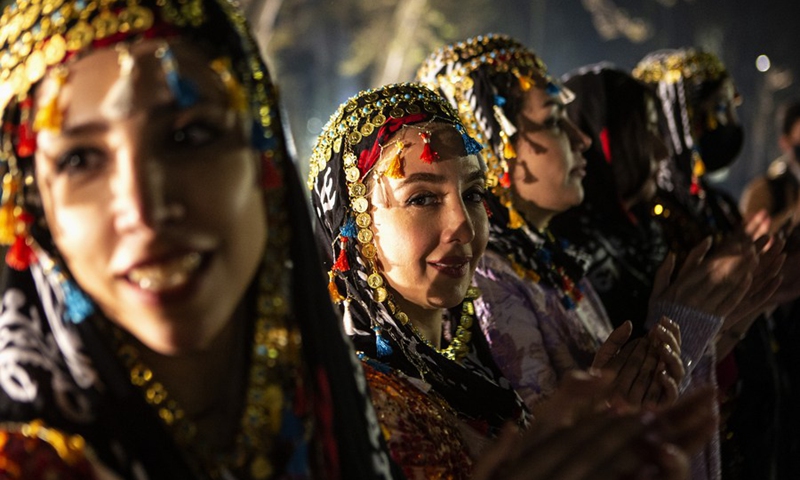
[
  {"x": 80, "y": 377},
  {"x": 473, "y": 388},
  {"x": 419, "y": 427},
  {"x": 534, "y": 338}
]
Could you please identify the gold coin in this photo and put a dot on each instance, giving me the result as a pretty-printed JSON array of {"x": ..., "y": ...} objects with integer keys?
[
  {"x": 379, "y": 119},
  {"x": 35, "y": 66},
  {"x": 466, "y": 321},
  {"x": 363, "y": 219},
  {"x": 365, "y": 235},
  {"x": 55, "y": 49},
  {"x": 360, "y": 204},
  {"x": 337, "y": 145},
  {"x": 358, "y": 190},
  {"x": 473, "y": 292},
  {"x": 367, "y": 129},
  {"x": 136, "y": 18},
  {"x": 368, "y": 251},
  {"x": 396, "y": 113},
  {"x": 79, "y": 36},
  {"x": 402, "y": 318},
  {"x": 375, "y": 280},
  {"x": 468, "y": 308},
  {"x": 413, "y": 109},
  {"x": 350, "y": 159},
  {"x": 261, "y": 468},
  {"x": 351, "y": 105},
  {"x": 354, "y": 138},
  {"x": 381, "y": 295},
  {"x": 352, "y": 174},
  {"x": 105, "y": 24}
]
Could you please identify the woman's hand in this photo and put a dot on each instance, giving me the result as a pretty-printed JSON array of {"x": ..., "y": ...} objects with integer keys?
[
  {"x": 714, "y": 284},
  {"x": 605, "y": 445},
  {"x": 647, "y": 371}
]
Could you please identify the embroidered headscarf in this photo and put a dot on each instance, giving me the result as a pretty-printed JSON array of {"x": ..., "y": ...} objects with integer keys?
[
  {"x": 683, "y": 79},
  {"x": 485, "y": 78},
  {"x": 625, "y": 251},
  {"x": 344, "y": 158},
  {"x": 304, "y": 408}
]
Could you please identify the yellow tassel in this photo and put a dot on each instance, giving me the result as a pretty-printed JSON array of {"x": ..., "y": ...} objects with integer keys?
[
  {"x": 515, "y": 220},
  {"x": 525, "y": 82},
  {"x": 395, "y": 169},
  {"x": 49, "y": 117},
  {"x": 333, "y": 290},
  {"x": 711, "y": 122},
  {"x": 508, "y": 150},
  {"x": 8, "y": 221},
  {"x": 699, "y": 167},
  {"x": 236, "y": 95}
]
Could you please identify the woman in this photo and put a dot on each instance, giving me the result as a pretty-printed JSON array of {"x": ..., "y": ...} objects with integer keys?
[
  {"x": 398, "y": 189},
  {"x": 541, "y": 317},
  {"x": 157, "y": 227},
  {"x": 621, "y": 116},
  {"x": 704, "y": 134}
]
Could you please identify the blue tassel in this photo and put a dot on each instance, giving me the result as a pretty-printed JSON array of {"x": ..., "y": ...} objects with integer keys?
[
  {"x": 349, "y": 228},
  {"x": 381, "y": 344},
  {"x": 499, "y": 101},
  {"x": 77, "y": 305},
  {"x": 184, "y": 90},
  {"x": 553, "y": 89},
  {"x": 567, "y": 302},
  {"x": 472, "y": 146}
]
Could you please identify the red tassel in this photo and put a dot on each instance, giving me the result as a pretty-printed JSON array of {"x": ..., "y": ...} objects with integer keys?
[
  {"x": 342, "y": 265},
  {"x": 605, "y": 143},
  {"x": 427, "y": 155},
  {"x": 270, "y": 177},
  {"x": 20, "y": 255},
  {"x": 27, "y": 141},
  {"x": 505, "y": 181},
  {"x": 694, "y": 189}
]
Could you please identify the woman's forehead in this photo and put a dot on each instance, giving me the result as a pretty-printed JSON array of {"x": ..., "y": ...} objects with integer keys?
[{"x": 94, "y": 79}]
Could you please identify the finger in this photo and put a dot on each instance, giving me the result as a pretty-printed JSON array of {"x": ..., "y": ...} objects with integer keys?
[
  {"x": 495, "y": 455},
  {"x": 621, "y": 358},
  {"x": 578, "y": 394},
  {"x": 630, "y": 369},
  {"x": 673, "y": 327},
  {"x": 695, "y": 257},
  {"x": 661, "y": 334},
  {"x": 663, "y": 275},
  {"x": 673, "y": 364},
  {"x": 655, "y": 389},
  {"x": 613, "y": 344},
  {"x": 755, "y": 223},
  {"x": 645, "y": 376},
  {"x": 669, "y": 391}
]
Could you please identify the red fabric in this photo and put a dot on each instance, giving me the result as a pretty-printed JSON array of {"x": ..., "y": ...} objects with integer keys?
[
  {"x": 368, "y": 158},
  {"x": 605, "y": 143}
]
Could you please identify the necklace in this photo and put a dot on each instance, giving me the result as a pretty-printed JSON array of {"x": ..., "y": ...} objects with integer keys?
[
  {"x": 546, "y": 271},
  {"x": 274, "y": 375},
  {"x": 459, "y": 347}
]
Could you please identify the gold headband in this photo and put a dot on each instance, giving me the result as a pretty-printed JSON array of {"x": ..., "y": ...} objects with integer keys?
[{"x": 689, "y": 64}]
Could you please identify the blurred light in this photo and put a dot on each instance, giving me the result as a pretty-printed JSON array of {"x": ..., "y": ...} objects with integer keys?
[
  {"x": 658, "y": 209},
  {"x": 762, "y": 63},
  {"x": 314, "y": 125}
]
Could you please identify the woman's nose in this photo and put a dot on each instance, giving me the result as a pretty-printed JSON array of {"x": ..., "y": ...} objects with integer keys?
[
  {"x": 140, "y": 192},
  {"x": 579, "y": 140},
  {"x": 460, "y": 228}
]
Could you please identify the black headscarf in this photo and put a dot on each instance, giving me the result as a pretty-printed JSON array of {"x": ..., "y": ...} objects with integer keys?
[
  {"x": 687, "y": 206},
  {"x": 610, "y": 107},
  {"x": 63, "y": 362},
  {"x": 485, "y": 78},
  {"x": 345, "y": 154}
]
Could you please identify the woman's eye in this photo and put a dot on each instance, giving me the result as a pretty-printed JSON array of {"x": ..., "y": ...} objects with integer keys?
[
  {"x": 194, "y": 135},
  {"x": 476, "y": 195},
  {"x": 79, "y": 160},
  {"x": 422, "y": 200}
]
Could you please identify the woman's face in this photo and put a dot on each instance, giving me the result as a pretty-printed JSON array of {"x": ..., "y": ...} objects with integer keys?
[
  {"x": 431, "y": 226},
  {"x": 155, "y": 208},
  {"x": 546, "y": 176}
]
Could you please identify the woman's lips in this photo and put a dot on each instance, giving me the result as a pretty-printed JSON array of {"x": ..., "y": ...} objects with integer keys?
[
  {"x": 169, "y": 274},
  {"x": 455, "y": 267}
]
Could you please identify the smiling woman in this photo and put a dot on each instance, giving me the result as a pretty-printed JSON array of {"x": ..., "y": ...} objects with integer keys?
[{"x": 156, "y": 318}]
